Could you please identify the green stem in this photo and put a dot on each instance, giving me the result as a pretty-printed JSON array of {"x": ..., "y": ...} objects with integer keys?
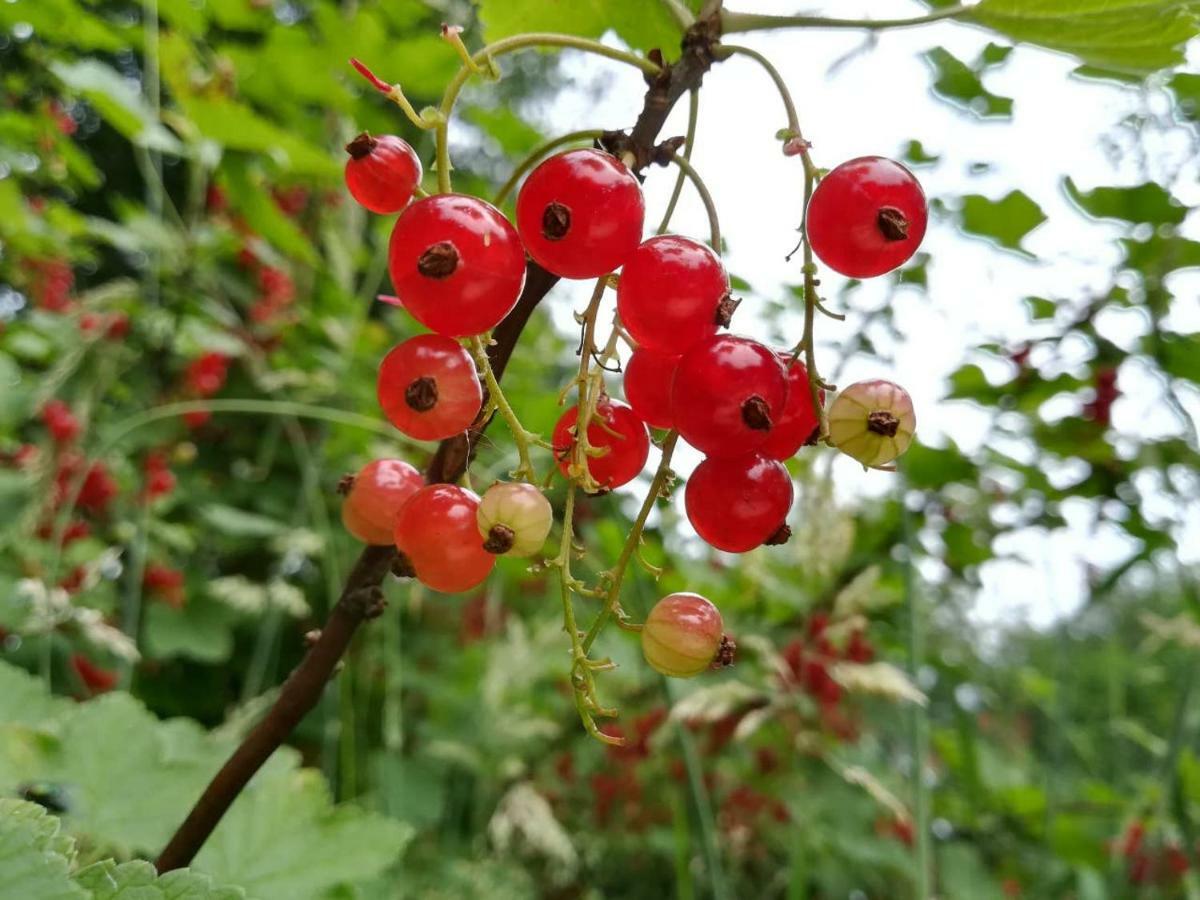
[
  {"x": 789, "y": 106},
  {"x": 917, "y": 736},
  {"x": 484, "y": 59},
  {"x": 688, "y": 143},
  {"x": 131, "y": 608},
  {"x": 524, "y": 470},
  {"x": 734, "y": 22},
  {"x": 710, "y": 207},
  {"x": 681, "y": 14},
  {"x": 617, "y": 574},
  {"x": 537, "y": 153}
]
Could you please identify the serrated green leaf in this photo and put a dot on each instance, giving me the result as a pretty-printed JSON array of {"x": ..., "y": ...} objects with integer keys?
[
  {"x": 118, "y": 101},
  {"x": 63, "y": 22},
  {"x": 24, "y": 699},
  {"x": 1149, "y": 202},
  {"x": 1005, "y": 221},
  {"x": 137, "y": 880},
  {"x": 35, "y": 858},
  {"x": 959, "y": 84},
  {"x": 200, "y": 631},
  {"x": 640, "y": 24}
]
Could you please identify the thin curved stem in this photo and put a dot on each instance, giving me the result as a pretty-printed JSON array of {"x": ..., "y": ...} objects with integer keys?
[
  {"x": 485, "y": 58},
  {"x": 710, "y": 207},
  {"x": 793, "y": 120},
  {"x": 394, "y": 93},
  {"x": 734, "y": 22},
  {"x": 689, "y": 142},
  {"x": 520, "y": 435},
  {"x": 537, "y": 153},
  {"x": 680, "y": 13}
]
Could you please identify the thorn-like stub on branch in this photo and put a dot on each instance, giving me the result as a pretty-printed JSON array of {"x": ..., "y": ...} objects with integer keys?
[
  {"x": 312, "y": 636},
  {"x": 725, "y": 653},
  {"x": 756, "y": 414},
  {"x": 345, "y": 485},
  {"x": 361, "y": 146},
  {"x": 667, "y": 149},
  {"x": 499, "y": 540},
  {"x": 662, "y": 77},
  {"x": 439, "y": 260},
  {"x": 556, "y": 221},
  {"x": 892, "y": 223},
  {"x": 725, "y": 310},
  {"x": 402, "y": 566},
  {"x": 422, "y": 394},
  {"x": 882, "y": 422},
  {"x": 781, "y": 535}
]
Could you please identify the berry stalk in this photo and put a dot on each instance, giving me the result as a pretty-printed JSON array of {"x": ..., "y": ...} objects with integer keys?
[{"x": 521, "y": 436}]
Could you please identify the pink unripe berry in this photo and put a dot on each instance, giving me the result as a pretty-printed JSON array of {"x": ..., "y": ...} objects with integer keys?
[
  {"x": 682, "y": 635},
  {"x": 872, "y": 421}
]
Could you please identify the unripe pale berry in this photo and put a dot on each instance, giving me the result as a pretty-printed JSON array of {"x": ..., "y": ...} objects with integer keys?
[
  {"x": 375, "y": 497},
  {"x": 872, "y": 421},
  {"x": 682, "y": 635},
  {"x": 514, "y": 519},
  {"x": 382, "y": 172}
]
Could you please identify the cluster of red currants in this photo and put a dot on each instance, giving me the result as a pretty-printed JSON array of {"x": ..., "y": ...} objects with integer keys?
[{"x": 458, "y": 266}]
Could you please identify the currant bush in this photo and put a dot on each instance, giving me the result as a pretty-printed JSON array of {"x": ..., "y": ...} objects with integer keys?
[
  {"x": 428, "y": 387},
  {"x": 438, "y": 534},
  {"x": 375, "y": 497},
  {"x": 382, "y": 172},
  {"x": 682, "y": 635}
]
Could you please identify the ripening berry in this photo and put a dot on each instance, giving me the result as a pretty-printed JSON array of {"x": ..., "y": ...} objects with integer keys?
[
  {"x": 165, "y": 584},
  {"x": 866, "y": 217},
  {"x": 614, "y": 428},
  {"x": 428, "y": 387},
  {"x": 206, "y": 374},
  {"x": 437, "y": 530},
  {"x": 798, "y": 423},
  {"x": 379, "y": 490},
  {"x": 872, "y": 421},
  {"x": 382, "y": 172},
  {"x": 580, "y": 214},
  {"x": 670, "y": 294},
  {"x": 727, "y": 395},
  {"x": 60, "y": 421},
  {"x": 160, "y": 481},
  {"x": 648, "y": 377},
  {"x": 514, "y": 519},
  {"x": 96, "y": 679},
  {"x": 456, "y": 263},
  {"x": 739, "y": 503},
  {"x": 682, "y": 635}
]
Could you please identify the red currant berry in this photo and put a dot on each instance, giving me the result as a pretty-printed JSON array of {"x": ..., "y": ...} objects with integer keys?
[
  {"x": 670, "y": 292},
  {"x": 436, "y": 529},
  {"x": 648, "y": 378},
  {"x": 456, "y": 263},
  {"x": 580, "y": 214},
  {"x": 428, "y": 387},
  {"x": 682, "y": 635},
  {"x": 614, "y": 428},
  {"x": 382, "y": 172},
  {"x": 514, "y": 519},
  {"x": 866, "y": 217},
  {"x": 375, "y": 497},
  {"x": 798, "y": 423},
  {"x": 739, "y": 503},
  {"x": 727, "y": 394},
  {"x": 61, "y": 422}
]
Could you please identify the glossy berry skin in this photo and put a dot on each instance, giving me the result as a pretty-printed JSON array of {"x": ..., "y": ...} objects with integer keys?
[
  {"x": 436, "y": 529},
  {"x": 738, "y": 503},
  {"x": 622, "y": 432},
  {"x": 382, "y": 172},
  {"x": 580, "y": 214},
  {"x": 682, "y": 635},
  {"x": 798, "y": 421},
  {"x": 648, "y": 377},
  {"x": 514, "y": 519},
  {"x": 866, "y": 217},
  {"x": 428, "y": 387},
  {"x": 670, "y": 292},
  {"x": 872, "y": 421},
  {"x": 456, "y": 263},
  {"x": 379, "y": 490},
  {"x": 727, "y": 393}
]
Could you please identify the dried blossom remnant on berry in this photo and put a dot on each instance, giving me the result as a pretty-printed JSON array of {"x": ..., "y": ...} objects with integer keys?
[
  {"x": 422, "y": 394},
  {"x": 500, "y": 539},
  {"x": 556, "y": 221},
  {"x": 725, "y": 653},
  {"x": 361, "y": 146},
  {"x": 893, "y": 224},
  {"x": 882, "y": 422},
  {"x": 757, "y": 414},
  {"x": 439, "y": 260},
  {"x": 781, "y": 535},
  {"x": 345, "y": 485},
  {"x": 725, "y": 310}
]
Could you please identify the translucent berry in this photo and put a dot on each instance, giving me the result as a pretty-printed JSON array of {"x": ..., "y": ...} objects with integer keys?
[
  {"x": 437, "y": 531},
  {"x": 866, "y": 217},
  {"x": 616, "y": 429},
  {"x": 580, "y": 214},
  {"x": 739, "y": 503},
  {"x": 670, "y": 293},
  {"x": 514, "y": 519},
  {"x": 727, "y": 395},
  {"x": 682, "y": 635},
  {"x": 872, "y": 421},
  {"x": 428, "y": 387},
  {"x": 798, "y": 423},
  {"x": 648, "y": 377},
  {"x": 375, "y": 497},
  {"x": 456, "y": 263},
  {"x": 382, "y": 172}
]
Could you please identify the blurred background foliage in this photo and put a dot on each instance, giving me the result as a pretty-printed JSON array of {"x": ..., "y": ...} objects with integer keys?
[{"x": 188, "y": 341}]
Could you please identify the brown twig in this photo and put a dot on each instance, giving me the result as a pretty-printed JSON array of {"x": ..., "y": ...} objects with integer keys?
[{"x": 362, "y": 598}]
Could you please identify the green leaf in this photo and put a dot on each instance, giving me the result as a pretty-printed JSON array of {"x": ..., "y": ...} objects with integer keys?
[
  {"x": 1159, "y": 255},
  {"x": 236, "y": 523},
  {"x": 24, "y": 699},
  {"x": 35, "y": 858},
  {"x": 1005, "y": 221},
  {"x": 118, "y": 101},
  {"x": 915, "y": 154},
  {"x": 238, "y": 127},
  {"x": 1186, "y": 88},
  {"x": 63, "y": 22},
  {"x": 960, "y": 85},
  {"x": 1133, "y": 35},
  {"x": 640, "y": 24},
  {"x": 1041, "y": 308},
  {"x": 1179, "y": 355},
  {"x": 137, "y": 880},
  {"x": 1147, "y": 202},
  {"x": 199, "y": 631}
]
